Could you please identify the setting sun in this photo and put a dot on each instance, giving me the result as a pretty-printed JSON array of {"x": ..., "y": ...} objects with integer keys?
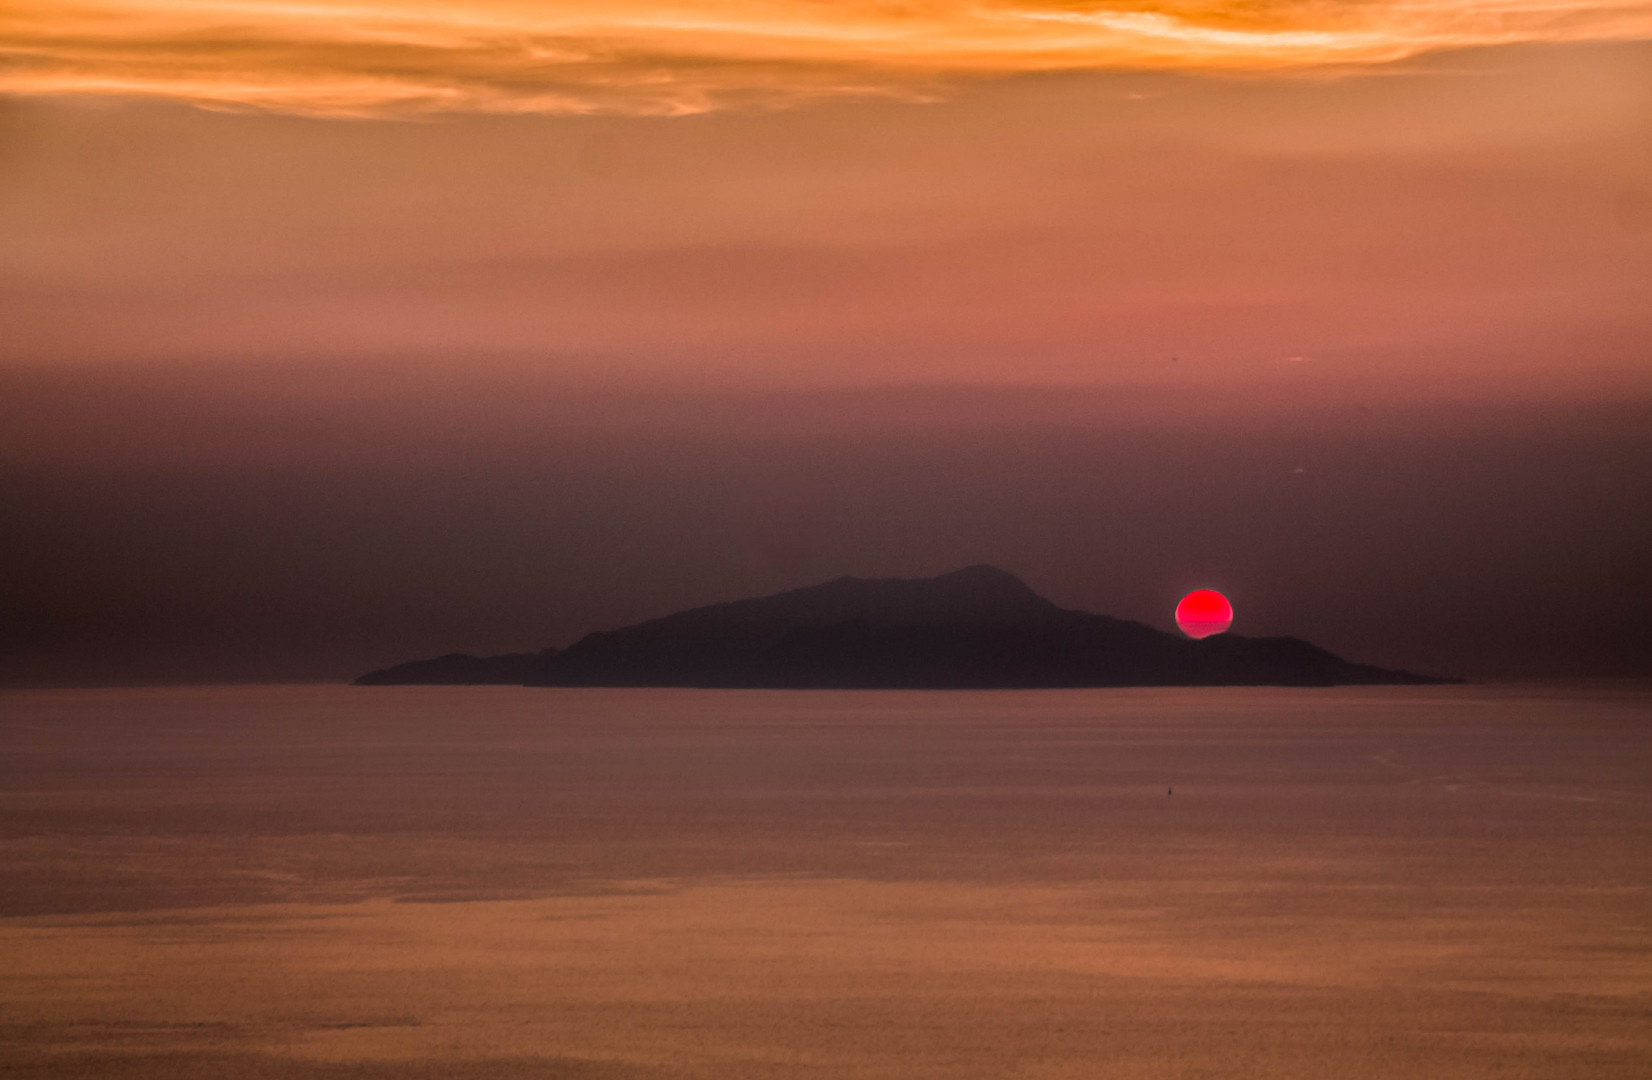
[{"x": 1204, "y": 612}]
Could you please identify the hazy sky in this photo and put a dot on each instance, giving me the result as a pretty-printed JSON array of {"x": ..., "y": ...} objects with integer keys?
[{"x": 336, "y": 334}]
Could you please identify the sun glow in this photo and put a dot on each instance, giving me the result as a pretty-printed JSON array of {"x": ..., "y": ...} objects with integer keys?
[{"x": 374, "y": 57}]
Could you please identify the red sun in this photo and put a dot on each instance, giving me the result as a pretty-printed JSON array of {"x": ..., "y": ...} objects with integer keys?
[{"x": 1204, "y": 612}]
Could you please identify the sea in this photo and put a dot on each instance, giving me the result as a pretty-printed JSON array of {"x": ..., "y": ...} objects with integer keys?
[{"x": 341, "y": 882}]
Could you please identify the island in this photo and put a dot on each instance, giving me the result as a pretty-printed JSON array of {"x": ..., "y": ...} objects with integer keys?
[{"x": 979, "y": 628}]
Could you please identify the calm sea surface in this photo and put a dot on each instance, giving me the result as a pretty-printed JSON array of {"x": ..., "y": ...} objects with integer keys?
[{"x": 432, "y": 881}]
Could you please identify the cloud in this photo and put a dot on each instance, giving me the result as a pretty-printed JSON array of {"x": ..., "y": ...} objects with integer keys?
[{"x": 387, "y": 57}]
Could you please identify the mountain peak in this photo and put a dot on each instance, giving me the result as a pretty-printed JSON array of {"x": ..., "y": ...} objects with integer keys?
[
  {"x": 982, "y": 575},
  {"x": 971, "y": 594},
  {"x": 983, "y": 585}
]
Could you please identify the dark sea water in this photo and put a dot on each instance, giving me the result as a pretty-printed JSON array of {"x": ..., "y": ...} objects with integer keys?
[{"x": 494, "y": 881}]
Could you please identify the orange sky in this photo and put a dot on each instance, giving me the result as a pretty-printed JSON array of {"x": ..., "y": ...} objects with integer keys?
[
  {"x": 1422, "y": 198},
  {"x": 1476, "y": 222},
  {"x": 363, "y": 57}
]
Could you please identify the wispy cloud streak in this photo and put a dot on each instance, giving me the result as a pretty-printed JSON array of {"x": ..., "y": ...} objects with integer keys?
[{"x": 379, "y": 57}]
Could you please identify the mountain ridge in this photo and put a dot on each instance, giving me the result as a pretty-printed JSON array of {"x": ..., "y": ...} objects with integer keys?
[{"x": 979, "y": 627}]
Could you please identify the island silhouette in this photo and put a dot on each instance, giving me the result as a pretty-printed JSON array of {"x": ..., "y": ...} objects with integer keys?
[{"x": 978, "y": 628}]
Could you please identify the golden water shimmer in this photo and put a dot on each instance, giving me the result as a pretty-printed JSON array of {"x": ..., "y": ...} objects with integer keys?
[
  {"x": 371, "y": 57},
  {"x": 327, "y": 883}
]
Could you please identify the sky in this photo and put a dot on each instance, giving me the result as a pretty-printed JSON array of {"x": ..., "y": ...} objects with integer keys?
[{"x": 335, "y": 334}]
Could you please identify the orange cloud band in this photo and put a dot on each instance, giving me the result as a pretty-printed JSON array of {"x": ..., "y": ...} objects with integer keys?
[{"x": 377, "y": 57}]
